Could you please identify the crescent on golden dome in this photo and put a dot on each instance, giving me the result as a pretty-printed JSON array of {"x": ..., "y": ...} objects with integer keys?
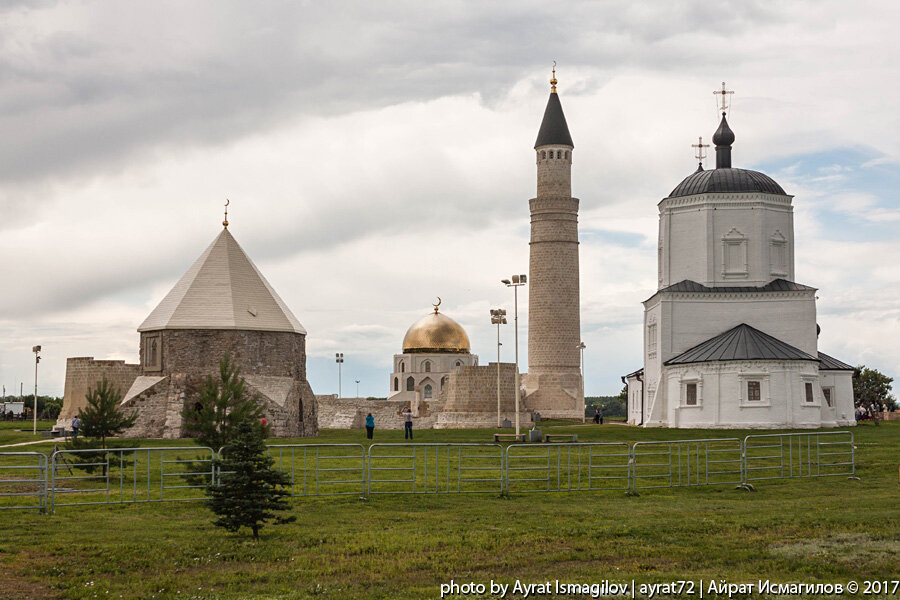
[{"x": 436, "y": 333}]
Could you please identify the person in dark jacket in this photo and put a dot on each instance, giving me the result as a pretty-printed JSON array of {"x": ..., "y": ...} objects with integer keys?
[{"x": 370, "y": 426}]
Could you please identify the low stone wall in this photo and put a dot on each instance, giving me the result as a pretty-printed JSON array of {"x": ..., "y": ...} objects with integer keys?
[
  {"x": 84, "y": 372},
  {"x": 350, "y": 413}
]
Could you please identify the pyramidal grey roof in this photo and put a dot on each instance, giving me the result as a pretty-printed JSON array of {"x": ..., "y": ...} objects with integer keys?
[
  {"x": 223, "y": 289},
  {"x": 830, "y": 363},
  {"x": 741, "y": 343},
  {"x": 726, "y": 180},
  {"x": 776, "y": 285},
  {"x": 554, "y": 130}
]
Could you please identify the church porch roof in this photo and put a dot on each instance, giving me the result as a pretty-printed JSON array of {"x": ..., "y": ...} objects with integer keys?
[{"x": 741, "y": 343}]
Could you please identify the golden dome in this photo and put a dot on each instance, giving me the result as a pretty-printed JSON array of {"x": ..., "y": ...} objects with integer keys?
[{"x": 436, "y": 333}]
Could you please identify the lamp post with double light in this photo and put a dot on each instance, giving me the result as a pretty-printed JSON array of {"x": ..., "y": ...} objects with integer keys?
[
  {"x": 498, "y": 318},
  {"x": 37, "y": 359},
  {"x": 339, "y": 359},
  {"x": 517, "y": 280},
  {"x": 581, "y": 347}
]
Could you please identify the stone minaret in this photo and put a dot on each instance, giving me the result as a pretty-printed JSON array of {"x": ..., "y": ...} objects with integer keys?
[{"x": 553, "y": 383}]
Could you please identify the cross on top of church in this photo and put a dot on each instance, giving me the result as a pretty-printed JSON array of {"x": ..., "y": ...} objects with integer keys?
[
  {"x": 724, "y": 98},
  {"x": 701, "y": 154}
]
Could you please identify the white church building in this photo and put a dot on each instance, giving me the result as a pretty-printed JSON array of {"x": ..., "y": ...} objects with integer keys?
[{"x": 730, "y": 340}]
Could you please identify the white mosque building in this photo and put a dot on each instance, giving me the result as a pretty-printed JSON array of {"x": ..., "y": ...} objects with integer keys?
[{"x": 730, "y": 338}]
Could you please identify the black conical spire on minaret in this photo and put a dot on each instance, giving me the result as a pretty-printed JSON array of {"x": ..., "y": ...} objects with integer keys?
[
  {"x": 554, "y": 130},
  {"x": 723, "y": 138}
]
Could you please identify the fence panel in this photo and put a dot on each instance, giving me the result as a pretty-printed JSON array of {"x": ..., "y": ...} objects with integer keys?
[
  {"x": 789, "y": 455},
  {"x": 567, "y": 467},
  {"x": 23, "y": 480},
  {"x": 435, "y": 468},
  {"x": 125, "y": 475},
  {"x": 322, "y": 469},
  {"x": 680, "y": 463}
]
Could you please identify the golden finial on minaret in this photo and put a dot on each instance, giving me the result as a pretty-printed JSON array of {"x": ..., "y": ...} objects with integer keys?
[
  {"x": 553, "y": 80},
  {"x": 225, "y": 222}
]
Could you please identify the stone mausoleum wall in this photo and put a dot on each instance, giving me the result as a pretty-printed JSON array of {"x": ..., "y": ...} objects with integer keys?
[
  {"x": 471, "y": 398},
  {"x": 84, "y": 372},
  {"x": 350, "y": 413}
]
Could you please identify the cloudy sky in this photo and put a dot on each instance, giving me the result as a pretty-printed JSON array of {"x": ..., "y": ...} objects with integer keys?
[{"x": 379, "y": 154}]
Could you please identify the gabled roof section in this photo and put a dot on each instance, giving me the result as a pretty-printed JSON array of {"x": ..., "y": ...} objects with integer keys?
[
  {"x": 741, "y": 343},
  {"x": 223, "y": 289},
  {"x": 776, "y": 285},
  {"x": 829, "y": 363},
  {"x": 554, "y": 129}
]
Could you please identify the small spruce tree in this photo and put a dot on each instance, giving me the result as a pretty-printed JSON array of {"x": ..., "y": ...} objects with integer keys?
[
  {"x": 222, "y": 404},
  {"x": 250, "y": 491},
  {"x": 101, "y": 418}
]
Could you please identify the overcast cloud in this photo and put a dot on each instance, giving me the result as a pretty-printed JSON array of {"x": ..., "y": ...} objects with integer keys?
[{"x": 379, "y": 154}]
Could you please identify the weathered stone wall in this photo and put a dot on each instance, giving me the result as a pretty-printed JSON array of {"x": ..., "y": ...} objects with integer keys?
[
  {"x": 350, "y": 413},
  {"x": 269, "y": 360},
  {"x": 471, "y": 398},
  {"x": 84, "y": 372}
]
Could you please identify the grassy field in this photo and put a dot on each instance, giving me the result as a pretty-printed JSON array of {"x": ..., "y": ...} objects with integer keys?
[{"x": 813, "y": 530}]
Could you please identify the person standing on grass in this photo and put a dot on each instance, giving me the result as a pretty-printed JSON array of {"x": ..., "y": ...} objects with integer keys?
[
  {"x": 599, "y": 416},
  {"x": 370, "y": 426},
  {"x": 407, "y": 423},
  {"x": 596, "y": 416},
  {"x": 76, "y": 422}
]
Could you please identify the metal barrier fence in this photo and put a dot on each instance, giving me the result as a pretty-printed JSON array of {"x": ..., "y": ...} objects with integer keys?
[
  {"x": 567, "y": 467},
  {"x": 23, "y": 478},
  {"x": 680, "y": 463},
  {"x": 127, "y": 475},
  {"x": 435, "y": 468},
  {"x": 789, "y": 455},
  {"x": 322, "y": 469}
]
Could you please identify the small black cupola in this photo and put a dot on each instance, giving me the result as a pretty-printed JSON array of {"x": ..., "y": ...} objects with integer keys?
[
  {"x": 554, "y": 129},
  {"x": 723, "y": 138}
]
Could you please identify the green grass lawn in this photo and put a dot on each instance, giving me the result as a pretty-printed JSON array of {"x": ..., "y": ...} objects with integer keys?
[
  {"x": 405, "y": 546},
  {"x": 13, "y": 432}
]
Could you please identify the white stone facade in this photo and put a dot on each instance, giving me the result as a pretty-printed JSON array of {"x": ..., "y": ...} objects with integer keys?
[{"x": 427, "y": 372}]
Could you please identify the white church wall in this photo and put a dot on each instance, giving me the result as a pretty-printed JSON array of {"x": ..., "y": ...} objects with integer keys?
[
  {"x": 690, "y": 319},
  {"x": 841, "y": 385}
]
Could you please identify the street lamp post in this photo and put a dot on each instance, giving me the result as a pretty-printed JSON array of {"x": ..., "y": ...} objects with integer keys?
[
  {"x": 37, "y": 359},
  {"x": 581, "y": 347},
  {"x": 498, "y": 318},
  {"x": 339, "y": 359},
  {"x": 517, "y": 280},
  {"x": 357, "y": 388}
]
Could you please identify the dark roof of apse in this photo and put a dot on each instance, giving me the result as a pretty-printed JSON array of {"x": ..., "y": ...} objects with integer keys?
[
  {"x": 554, "y": 130},
  {"x": 741, "y": 343},
  {"x": 829, "y": 363},
  {"x": 776, "y": 285},
  {"x": 726, "y": 180}
]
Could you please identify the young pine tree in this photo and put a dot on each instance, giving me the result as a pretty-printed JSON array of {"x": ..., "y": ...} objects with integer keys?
[
  {"x": 250, "y": 491},
  {"x": 101, "y": 418},
  {"x": 222, "y": 404}
]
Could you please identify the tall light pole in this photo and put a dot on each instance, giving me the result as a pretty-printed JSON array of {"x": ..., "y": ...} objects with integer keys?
[
  {"x": 498, "y": 318},
  {"x": 517, "y": 280},
  {"x": 37, "y": 359},
  {"x": 357, "y": 388},
  {"x": 339, "y": 359},
  {"x": 581, "y": 347}
]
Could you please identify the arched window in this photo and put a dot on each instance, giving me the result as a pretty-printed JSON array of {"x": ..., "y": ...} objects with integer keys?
[
  {"x": 567, "y": 155},
  {"x": 300, "y": 409},
  {"x": 428, "y": 391},
  {"x": 443, "y": 381},
  {"x": 410, "y": 384},
  {"x": 396, "y": 384},
  {"x": 543, "y": 154},
  {"x": 559, "y": 154},
  {"x": 426, "y": 366},
  {"x": 458, "y": 363}
]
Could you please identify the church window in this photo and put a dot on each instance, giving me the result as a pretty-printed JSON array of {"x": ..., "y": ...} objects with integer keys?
[
  {"x": 651, "y": 340},
  {"x": 396, "y": 384},
  {"x": 826, "y": 392},
  {"x": 690, "y": 394},
  {"x": 734, "y": 250},
  {"x": 427, "y": 366},
  {"x": 428, "y": 391},
  {"x": 753, "y": 391},
  {"x": 778, "y": 254},
  {"x": 410, "y": 384},
  {"x": 809, "y": 392}
]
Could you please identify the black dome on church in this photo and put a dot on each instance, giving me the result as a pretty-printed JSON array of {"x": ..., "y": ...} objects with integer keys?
[{"x": 726, "y": 180}]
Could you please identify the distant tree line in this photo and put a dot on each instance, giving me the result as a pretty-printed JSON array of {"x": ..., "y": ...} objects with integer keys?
[{"x": 48, "y": 407}]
